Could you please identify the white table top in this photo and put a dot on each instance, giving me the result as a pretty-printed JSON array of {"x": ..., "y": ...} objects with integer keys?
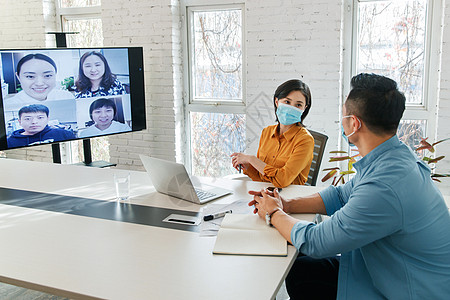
[{"x": 84, "y": 257}]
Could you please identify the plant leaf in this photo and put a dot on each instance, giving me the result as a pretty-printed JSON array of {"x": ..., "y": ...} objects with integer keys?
[
  {"x": 435, "y": 160},
  {"x": 339, "y": 158},
  {"x": 329, "y": 175},
  {"x": 438, "y": 142},
  {"x": 440, "y": 175},
  {"x": 347, "y": 172},
  {"x": 425, "y": 145},
  {"x": 328, "y": 169},
  {"x": 429, "y": 147},
  {"x": 339, "y": 179}
]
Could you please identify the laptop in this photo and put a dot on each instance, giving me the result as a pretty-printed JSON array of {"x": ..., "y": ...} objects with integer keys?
[{"x": 172, "y": 179}]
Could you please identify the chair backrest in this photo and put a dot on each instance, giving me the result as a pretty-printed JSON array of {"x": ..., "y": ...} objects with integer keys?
[{"x": 320, "y": 140}]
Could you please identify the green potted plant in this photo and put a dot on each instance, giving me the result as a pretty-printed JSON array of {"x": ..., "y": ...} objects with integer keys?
[{"x": 338, "y": 175}]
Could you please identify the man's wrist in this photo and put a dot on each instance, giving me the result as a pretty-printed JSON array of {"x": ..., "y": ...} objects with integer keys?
[
  {"x": 287, "y": 205},
  {"x": 269, "y": 215}
]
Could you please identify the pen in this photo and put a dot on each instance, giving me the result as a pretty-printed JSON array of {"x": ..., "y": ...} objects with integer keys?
[
  {"x": 217, "y": 215},
  {"x": 240, "y": 168}
]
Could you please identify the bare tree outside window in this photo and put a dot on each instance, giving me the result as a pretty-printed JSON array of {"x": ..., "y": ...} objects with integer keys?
[
  {"x": 391, "y": 42},
  {"x": 90, "y": 32},
  {"x": 79, "y": 3},
  {"x": 216, "y": 76},
  {"x": 411, "y": 132},
  {"x": 214, "y": 138},
  {"x": 217, "y": 71}
]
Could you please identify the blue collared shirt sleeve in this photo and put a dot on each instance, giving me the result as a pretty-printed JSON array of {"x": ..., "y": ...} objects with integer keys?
[
  {"x": 371, "y": 213},
  {"x": 336, "y": 197}
]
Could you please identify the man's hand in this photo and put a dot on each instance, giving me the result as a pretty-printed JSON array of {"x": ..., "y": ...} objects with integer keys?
[{"x": 265, "y": 201}]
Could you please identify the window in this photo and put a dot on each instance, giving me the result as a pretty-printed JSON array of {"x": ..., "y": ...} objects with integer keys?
[
  {"x": 83, "y": 17},
  {"x": 215, "y": 102},
  {"x": 393, "y": 38},
  {"x": 79, "y": 3}
]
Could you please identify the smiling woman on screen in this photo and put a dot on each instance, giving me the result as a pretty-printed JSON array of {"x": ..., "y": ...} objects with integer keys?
[
  {"x": 95, "y": 78},
  {"x": 37, "y": 76},
  {"x": 102, "y": 112},
  {"x": 285, "y": 149}
]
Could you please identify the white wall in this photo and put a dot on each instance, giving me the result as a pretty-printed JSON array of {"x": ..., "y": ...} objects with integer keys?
[
  {"x": 443, "y": 127},
  {"x": 154, "y": 25},
  {"x": 284, "y": 39},
  {"x": 293, "y": 39}
]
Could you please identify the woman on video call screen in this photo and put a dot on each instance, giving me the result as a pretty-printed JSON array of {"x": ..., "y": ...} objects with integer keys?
[{"x": 67, "y": 82}]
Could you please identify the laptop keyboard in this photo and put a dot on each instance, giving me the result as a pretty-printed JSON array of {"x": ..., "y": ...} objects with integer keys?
[{"x": 202, "y": 195}]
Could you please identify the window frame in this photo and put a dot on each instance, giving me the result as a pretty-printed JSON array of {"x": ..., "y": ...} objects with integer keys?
[
  {"x": 212, "y": 105},
  {"x": 75, "y": 13},
  {"x": 428, "y": 109}
]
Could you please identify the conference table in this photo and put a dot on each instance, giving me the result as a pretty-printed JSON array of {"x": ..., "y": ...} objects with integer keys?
[{"x": 62, "y": 232}]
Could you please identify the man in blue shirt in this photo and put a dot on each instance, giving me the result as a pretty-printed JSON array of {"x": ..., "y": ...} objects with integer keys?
[{"x": 389, "y": 223}]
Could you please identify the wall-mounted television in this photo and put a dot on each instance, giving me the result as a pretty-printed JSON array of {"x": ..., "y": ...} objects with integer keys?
[{"x": 60, "y": 94}]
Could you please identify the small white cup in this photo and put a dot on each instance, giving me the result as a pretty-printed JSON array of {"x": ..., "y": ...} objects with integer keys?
[{"x": 122, "y": 183}]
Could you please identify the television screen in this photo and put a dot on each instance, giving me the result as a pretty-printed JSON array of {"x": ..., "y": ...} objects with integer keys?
[{"x": 62, "y": 94}]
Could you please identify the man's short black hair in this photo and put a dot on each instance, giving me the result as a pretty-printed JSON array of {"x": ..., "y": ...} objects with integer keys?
[
  {"x": 377, "y": 101},
  {"x": 100, "y": 103},
  {"x": 34, "y": 108}
]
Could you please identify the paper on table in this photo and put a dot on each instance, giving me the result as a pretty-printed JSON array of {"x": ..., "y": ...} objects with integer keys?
[
  {"x": 248, "y": 235},
  {"x": 210, "y": 228}
]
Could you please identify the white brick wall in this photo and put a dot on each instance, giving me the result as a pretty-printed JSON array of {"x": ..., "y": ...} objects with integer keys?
[
  {"x": 284, "y": 39},
  {"x": 443, "y": 128},
  {"x": 293, "y": 40},
  {"x": 153, "y": 25}
]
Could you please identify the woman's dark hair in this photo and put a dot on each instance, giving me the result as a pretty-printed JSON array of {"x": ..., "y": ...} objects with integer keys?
[
  {"x": 289, "y": 86},
  {"x": 34, "y": 56},
  {"x": 101, "y": 103},
  {"x": 83, "y": 83},
  {"x": 377, "y": 101}
]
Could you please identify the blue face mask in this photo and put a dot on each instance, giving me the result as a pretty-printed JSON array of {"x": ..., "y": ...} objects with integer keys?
[
  {"x": 288, "y": 114},
  {"x": 347, "y": 136}
]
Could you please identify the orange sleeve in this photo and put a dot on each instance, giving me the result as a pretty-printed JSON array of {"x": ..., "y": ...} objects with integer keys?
[
  {"x": 297, "y": 161},
  {"x": 251, "y": 171}
]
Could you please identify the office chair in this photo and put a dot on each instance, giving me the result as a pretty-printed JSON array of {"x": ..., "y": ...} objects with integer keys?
[{"x": 320, "y": 141}]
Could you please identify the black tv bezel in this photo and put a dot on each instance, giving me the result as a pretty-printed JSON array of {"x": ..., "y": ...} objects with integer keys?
[{"x": 137, "y": 94}]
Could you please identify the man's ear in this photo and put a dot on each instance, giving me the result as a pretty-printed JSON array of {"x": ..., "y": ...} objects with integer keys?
[{"x": 357, "y": 123}]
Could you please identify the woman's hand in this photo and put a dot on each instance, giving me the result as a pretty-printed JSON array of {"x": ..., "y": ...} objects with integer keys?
[
  {"x": 265, "y": 201},
  {"x": 240, "y": 159}
]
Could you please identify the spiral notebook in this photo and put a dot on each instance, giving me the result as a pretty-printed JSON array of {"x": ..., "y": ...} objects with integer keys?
[{"x": 248, "y": 235}]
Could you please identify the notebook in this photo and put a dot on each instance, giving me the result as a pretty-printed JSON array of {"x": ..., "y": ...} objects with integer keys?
[
  {"x": 172, "y": 179},
  {"x": 248, "y": 235}
]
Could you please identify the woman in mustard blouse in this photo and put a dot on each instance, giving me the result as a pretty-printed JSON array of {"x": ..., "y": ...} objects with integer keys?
[{"x": 286, "y": 149}]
